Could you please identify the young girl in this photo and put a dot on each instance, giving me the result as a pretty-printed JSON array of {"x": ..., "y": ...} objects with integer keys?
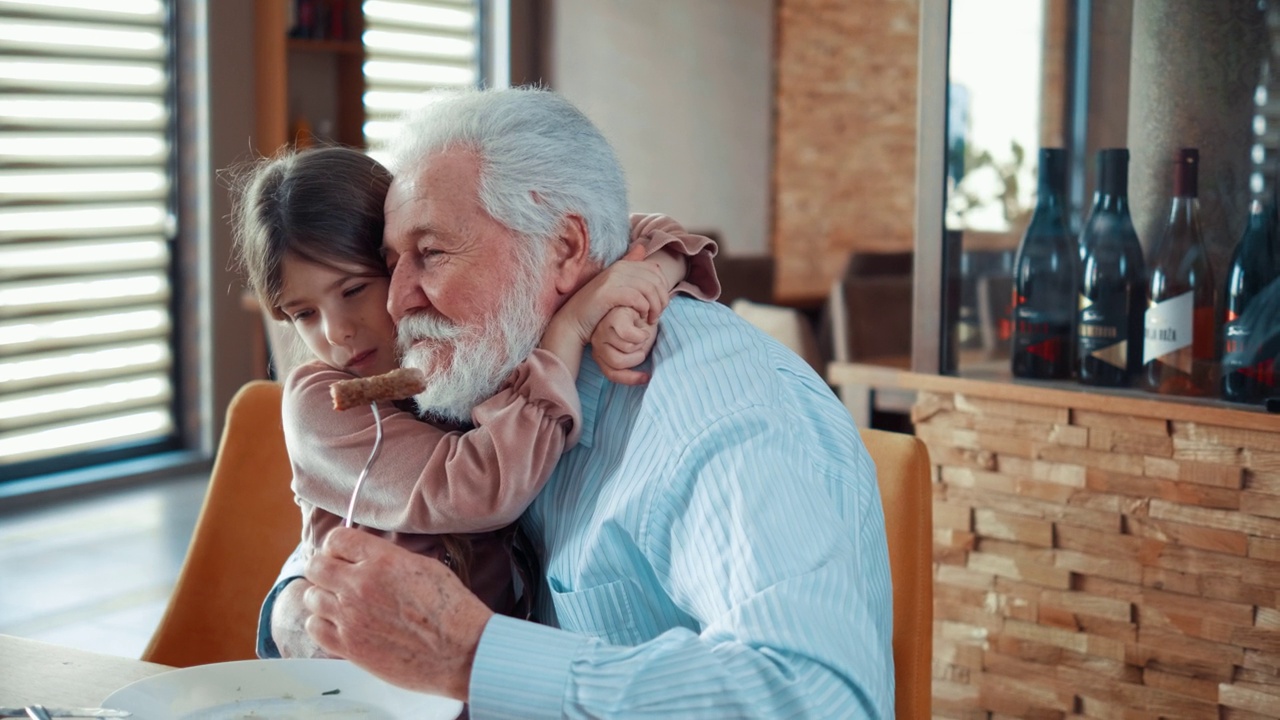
[{"x": 308, "y": 234}]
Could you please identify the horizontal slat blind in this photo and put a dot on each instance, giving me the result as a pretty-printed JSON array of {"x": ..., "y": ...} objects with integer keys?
[
  {"x": 85, "y": 226},
  {"x": 412, "y": 46}
]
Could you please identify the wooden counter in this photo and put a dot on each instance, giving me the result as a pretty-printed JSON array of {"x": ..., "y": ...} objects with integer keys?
[{"x": 1103, "y": 554}]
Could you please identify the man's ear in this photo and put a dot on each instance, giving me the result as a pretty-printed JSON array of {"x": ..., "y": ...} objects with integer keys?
[{"x": 570, "y": 253}]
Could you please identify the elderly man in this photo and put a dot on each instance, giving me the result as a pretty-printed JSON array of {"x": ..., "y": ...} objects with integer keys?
[{"x": 715, "y": 543}]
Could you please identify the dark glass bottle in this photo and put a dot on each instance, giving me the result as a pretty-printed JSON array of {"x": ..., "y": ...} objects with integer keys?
[
  {"x": 1112, "y": 281},
  {"x": 1247, "y": 376},
  {"x": 1179, "y": 340},
  {"x": 1044, "y": 280}
]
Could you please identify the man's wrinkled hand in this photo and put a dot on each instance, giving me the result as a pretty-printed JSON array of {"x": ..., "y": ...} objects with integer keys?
[{"x": 403, "y": 617}]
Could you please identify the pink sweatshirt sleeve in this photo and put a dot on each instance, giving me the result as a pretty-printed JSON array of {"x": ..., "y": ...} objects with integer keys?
[
  {"x": 659, "y": 231},
  {"x": 427, "y": 479}
]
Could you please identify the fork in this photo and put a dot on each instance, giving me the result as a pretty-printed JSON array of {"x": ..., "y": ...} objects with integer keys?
[
  {"x": 377, "y": 446},
  {"x": 37, "y": 712}
]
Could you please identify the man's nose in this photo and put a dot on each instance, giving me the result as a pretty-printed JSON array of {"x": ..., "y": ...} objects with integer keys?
[{"x": 405, "y": 295}]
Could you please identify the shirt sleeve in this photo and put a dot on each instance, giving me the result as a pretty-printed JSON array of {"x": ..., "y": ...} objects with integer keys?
[
  {"x": 429, "y": 480},
  {"x": 794, "y": 619},
  {"x": 659, "y": 232}
]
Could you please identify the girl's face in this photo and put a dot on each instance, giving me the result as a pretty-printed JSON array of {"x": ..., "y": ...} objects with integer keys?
[{"x": 341, "y": 315}]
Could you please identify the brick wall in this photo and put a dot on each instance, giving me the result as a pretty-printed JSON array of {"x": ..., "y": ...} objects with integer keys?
[
  {"x": 845, "y": 137},
  {"x": 1102, "y": 565}
]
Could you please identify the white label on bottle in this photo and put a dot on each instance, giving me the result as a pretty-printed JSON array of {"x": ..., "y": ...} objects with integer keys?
[{"x": 1167, "y": 327}]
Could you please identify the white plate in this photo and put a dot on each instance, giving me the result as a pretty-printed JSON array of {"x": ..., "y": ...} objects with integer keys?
[{"x": 280, "y": 689}]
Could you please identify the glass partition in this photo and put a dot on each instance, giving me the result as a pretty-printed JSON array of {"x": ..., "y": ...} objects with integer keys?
[{"x": 1182, "y": 97}]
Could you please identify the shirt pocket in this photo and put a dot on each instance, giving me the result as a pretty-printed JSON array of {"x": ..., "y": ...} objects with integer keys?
[{"x": 604, "y": 611}]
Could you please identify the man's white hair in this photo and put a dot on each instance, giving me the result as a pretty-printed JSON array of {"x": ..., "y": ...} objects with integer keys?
[{"x": 540, "y": 159}]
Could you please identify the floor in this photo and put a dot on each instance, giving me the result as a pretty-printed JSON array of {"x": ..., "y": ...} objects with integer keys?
[{"x": 96, "y": 573}]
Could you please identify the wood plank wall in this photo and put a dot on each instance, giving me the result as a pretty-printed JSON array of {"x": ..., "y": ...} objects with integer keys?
[{"x": 1090, "y": 564}]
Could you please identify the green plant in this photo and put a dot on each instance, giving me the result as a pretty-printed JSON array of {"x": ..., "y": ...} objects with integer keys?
[{"x": 966, "y": 196}]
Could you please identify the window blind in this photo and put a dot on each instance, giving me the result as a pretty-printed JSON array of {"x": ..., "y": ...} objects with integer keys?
[
  {"x": 412, "y": 46},
  {"x": 86, "y": 360}
]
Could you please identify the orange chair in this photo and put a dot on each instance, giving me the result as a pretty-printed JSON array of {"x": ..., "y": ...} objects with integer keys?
[
  {"x": 248, "y": 525},
  {"x": 902, "y": 468}
]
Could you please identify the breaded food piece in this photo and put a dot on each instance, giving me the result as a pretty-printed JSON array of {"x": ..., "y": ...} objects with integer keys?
[{"x": 395, "y": 385}]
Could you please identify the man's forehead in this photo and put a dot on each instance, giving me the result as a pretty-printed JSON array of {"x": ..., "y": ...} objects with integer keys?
[{"x": 404, "y": 189}]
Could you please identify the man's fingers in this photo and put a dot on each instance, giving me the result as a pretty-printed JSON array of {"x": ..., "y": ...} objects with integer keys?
[
  {"x": 327, "y": 571},
  {"x": 349, "y": 544},
  {"x": 321, "y": 601},
  {"x": 325, "y": 634}
]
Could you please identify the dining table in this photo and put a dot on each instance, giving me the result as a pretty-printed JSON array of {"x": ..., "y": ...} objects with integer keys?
[{"x": 55, "y": 675}]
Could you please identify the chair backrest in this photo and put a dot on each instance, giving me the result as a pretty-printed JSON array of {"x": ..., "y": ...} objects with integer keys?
[
  {"x": 749, "y": 277},
  {"x": 247, "y": 526},
  {"x": 786, "y": 325},
  {"x": 902, "y": 469},
  {"x": 868, "y": 313}
]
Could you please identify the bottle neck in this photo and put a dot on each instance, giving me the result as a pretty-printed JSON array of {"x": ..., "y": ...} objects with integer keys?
[
  {"x": 1185, "y": 208},
  {"x": 1111, "y": 202},
  {"x": 1183, "y": 233},
  {"x": 1257, "y": 215},
  {"x": 1051, "y": 182},
  {"x": 1186, "y": 182},
  {"x": 1113, "y": 173},
  {"x": 1048, "y": 199}
]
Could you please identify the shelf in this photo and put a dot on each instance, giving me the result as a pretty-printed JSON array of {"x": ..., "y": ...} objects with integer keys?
[
  {"x": 1066, "y": 394},
  {"x": 336, "y": 47}
]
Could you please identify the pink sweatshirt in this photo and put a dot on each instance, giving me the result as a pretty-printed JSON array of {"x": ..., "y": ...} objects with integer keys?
[{"x": 431, "y": 480}]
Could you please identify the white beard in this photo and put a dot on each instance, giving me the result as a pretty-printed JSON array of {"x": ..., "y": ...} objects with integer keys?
[{"x": 483, "y": 355}]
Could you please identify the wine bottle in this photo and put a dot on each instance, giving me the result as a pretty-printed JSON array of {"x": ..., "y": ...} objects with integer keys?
[
  {"x": 1044, "y": 280},
  {"x": 1248, "y": 376},
  {"x": 1179, "y": 340},
  {"x": 1112, "y": 281}
]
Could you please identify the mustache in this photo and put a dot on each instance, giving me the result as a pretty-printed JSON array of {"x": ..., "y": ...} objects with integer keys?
[{"x": 426, "y": 327}]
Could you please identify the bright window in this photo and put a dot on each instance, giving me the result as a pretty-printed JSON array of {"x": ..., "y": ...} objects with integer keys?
[
  {"x": 412, "y": 46},
  {"x": 86, "y": 229}
]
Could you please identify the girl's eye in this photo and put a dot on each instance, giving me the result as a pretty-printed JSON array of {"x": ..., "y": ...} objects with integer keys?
[
  {"x": 354, "y": 290},
  {"x": 302, "y": 315}
]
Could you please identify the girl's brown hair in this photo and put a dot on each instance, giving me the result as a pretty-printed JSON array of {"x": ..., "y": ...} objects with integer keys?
[{"x": 323, "y": 205}]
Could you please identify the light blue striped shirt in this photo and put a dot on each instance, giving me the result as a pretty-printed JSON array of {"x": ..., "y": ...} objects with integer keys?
[{"x": 713, "y": 546}]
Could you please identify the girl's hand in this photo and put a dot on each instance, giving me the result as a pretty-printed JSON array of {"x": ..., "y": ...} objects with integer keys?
[
  {"x": 628, "y": 283},
  {"x": 622, "y": 341}
]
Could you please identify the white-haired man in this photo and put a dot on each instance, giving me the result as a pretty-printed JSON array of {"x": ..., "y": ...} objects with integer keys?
[{"x": 715, "y": 543}]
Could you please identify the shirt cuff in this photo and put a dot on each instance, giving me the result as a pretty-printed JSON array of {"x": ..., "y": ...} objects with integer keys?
[
  {"x": 267, "y": 648},
  {"x": 521, "y": 669}
]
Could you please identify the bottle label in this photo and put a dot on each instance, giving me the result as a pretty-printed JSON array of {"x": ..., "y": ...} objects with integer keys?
[
  {"x": 1167, "y": 336},
  {"x": 1242, "y": 357},
  {"x": 1103, "y": 329},
  {"x": 1044, "y": 335},
  {"x": 1236, "y": 334}
]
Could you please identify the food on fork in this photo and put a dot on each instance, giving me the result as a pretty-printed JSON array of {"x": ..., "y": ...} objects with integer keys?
[{"x": 396, "y": 385}]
